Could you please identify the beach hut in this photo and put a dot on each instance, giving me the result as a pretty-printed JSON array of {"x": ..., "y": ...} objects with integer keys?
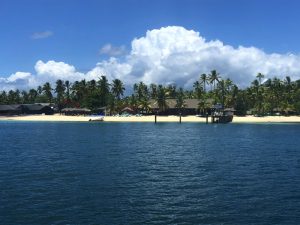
[
  {"x": 127, "y": 110},
  {"x": 190, "y": 107},
  {"x": 101, "y": 111},
  {"x": 277, "y": 111},
  {"x": 76, "y": 111}
]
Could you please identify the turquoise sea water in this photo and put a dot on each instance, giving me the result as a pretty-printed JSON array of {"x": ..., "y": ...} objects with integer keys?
[{"x": 145, "y": 173}]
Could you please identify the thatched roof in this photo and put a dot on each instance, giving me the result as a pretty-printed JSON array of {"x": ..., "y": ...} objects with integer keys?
[
  {"x": 191, "y": 103},
  {"x": 171, "y": 103},
  {"x": 188, "y": 103},
  {"x": 76, "y": 110},
  {"x": 127, "y": 109},
  {"x": 229, "y": 110}
]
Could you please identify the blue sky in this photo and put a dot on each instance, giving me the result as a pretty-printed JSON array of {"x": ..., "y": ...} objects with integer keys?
[{"x": 74, "y": 31}]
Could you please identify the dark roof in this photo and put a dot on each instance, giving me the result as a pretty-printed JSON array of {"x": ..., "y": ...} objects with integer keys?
[
  {"x": 10, "y": 107},
  {"x": 35, "y": 107}
]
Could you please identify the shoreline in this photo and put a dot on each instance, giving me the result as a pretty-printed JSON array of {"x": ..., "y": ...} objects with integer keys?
[{"x": 174, "y": 119}]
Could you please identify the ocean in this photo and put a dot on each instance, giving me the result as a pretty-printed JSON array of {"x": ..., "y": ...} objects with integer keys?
[{"x": 146, "y": 173}]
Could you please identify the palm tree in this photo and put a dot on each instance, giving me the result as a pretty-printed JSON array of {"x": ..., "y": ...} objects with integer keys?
[
  {"x": 111, "y": 105},
  {"x": 117, "y": 88},
  {"x": 197, "y": 89},
  {"x": 3, "y": 98},
  {"x": 17, "y": 96},
  {"x": 75, "y": 91},
  {"x": 25, "y": 97},
  {"x": 204, "y": 80},
  {"x": 288, "y": 90},
  {"x": 104, "y": 90},
  {"x": 161, "y": 98},
  {"x": 135, "y": 89},
  {"x": 67, "y": 85},
  {"x": 223, "y": 90},
  {"x": 260, "y": 76},
  {"x": 232, "y": 100},
  {"x": 153, "y": 91},
  {"x": 32, "y": 94},
  {"x": 277, "y": 90},
  {"x": 133, "y": 102},
  {"x": 92, "y": 86},
  {"x": 213, "y": 78},
  {"x": 39, "y": 90},
  {"x": 47, "y": 89},
  {"x": 144, "y": 105},
  {"x": 180, "y": 104},
  {"x": 141, "y": 90},
  {"x": 171, "y": 90},
  {"x": 59, "y": 90}
]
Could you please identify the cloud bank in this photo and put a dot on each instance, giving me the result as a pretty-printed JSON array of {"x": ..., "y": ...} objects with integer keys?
[{"x": 167, "y": 55}]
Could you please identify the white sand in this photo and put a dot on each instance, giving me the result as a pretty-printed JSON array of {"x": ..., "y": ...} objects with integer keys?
[{"x": 236, "y": 119}]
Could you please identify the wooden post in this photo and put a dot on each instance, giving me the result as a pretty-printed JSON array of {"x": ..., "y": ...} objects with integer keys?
[
  {"x": 155, "y": 118},
  {"x": 179, "y": 117},
  {"x": 206, "y": 118}
]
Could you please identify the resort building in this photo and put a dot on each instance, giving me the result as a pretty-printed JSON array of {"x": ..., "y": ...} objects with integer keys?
[
  {"x": 76, "y": 111},
  {"x": 29, "y": 109},
  {"x": 190, "y": 107}
]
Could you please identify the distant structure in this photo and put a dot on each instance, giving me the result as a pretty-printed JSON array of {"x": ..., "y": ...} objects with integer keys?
[
  {"x": 191, "y": 107},
  {"x": 29, "y": 109},
  {"x": 221, "y": 115},
  {"x": 75, "y": 111}
]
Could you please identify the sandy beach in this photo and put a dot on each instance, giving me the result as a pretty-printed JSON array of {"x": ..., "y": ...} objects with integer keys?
[{"x": 236, "y": 119}]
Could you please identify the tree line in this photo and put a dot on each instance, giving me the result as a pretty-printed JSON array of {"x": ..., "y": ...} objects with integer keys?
[{"x": 272, "y": 95}]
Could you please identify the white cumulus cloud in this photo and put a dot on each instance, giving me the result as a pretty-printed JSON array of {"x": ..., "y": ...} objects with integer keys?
[
  {"x": 18, "y": 80},
  {"x": 168, "y": 55},
  {"x": 52, "y": 70}
]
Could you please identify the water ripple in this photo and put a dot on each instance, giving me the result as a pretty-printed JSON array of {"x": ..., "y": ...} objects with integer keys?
[{"x": 122, "y": 173}]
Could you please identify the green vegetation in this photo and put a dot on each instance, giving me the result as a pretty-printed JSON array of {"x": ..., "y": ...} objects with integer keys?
[{"x": 261, "y": 98}]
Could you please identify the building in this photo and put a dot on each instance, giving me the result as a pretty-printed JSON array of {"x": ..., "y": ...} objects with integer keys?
[
  {"x": 76, "y": 111},
  {"x": 37, "y": 109},
  {"x": 7, "y": 110},
  {"x": 190, "y": 107},
  {"x": 19, "y": 109}
]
